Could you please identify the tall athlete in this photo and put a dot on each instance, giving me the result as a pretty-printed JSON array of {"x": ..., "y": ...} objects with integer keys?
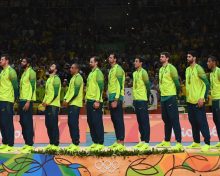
[
  {"x": 116, "y": 81},
  {"x": 215, "y": 93},
  {"x": 141, "y": 93},
  {"x": 52, "y": 103},
  {"x": 169, "y": 89},
  {"x": 94, "y": 104},
  {"x": 197, "y": 88},
  {"x": 74, "y": 100},
  {"x": 27, "y": 96},
  {"x": 8, "y": 94}
]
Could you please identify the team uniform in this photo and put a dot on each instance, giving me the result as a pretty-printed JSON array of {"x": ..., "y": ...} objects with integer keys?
[
  {"x": 27, "y": 93},
  {"x": 116, "y": 80},
  {"x": 52, "y": 99},
  {"x": 215, "y": 94},
  {"x": 74, "y": 97},
  {"x": 8, "y": 94},
  {"x": 169, "y": 88},
  {"x": 94, "y": 90},
  {"x": 141, "y": 92},
  {"x": 197, "y": 87}
]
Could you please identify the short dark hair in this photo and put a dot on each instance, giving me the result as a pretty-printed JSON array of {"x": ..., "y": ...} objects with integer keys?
[
  {"x": 77, "y": 65},
  {"x": 115, "y": 56},
  {"x": 57, "y": 66},
  {"x": 28, "y": 60},
  {"x": 96, "y": 59},
  {"x": 213, "y": 58},
  {"x": 6, "y": 56},
  {"x": 167, "y": 54},
  {"x": 193, "y": 53},
  {"x": 139, "y": 58}
]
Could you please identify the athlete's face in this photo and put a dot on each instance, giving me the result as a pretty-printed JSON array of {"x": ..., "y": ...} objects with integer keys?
[
  {"x": 92, "y": 62},
  {"x": 52, "y": 68},
  {"x": 111, "y": 59},
  {"x": 163, "y": 58},
  {"x": 64, "y": 82},
  {"x": 3, "y": 62},
  {"x": 137, "y": 63},
  {"x": 73, "y": 69},
  {"x": 210, "y": 63},
  {"x": 190, "y": 58},
  {"x": 24, "y": 63}
]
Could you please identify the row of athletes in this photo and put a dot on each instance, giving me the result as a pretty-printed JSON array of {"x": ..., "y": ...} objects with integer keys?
[{"x": 197, "y": 88}]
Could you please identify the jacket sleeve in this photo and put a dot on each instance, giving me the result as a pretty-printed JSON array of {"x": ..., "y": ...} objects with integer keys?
[
  {"x": 119, "y": 76},
  {"x": 175, "y": 77},
  {"x": 32, "y": 78},
  {"x": 14, "y": 80},
  {"x": 146, "y": 82},
  {"x": 203, "y": 77}
]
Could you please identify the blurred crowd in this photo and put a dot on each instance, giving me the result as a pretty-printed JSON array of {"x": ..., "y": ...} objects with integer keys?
[{"x": 68, "y": 35}]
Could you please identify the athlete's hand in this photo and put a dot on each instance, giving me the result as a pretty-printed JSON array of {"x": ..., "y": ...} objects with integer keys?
[
  {"x": 200, "y": 102},
  {"x": 44, "y": 104},
  {"x": 179, "y": 95},
  {"x": 114, "y": 104},
  {"x": 65, "y": 104},
  {"x": 96, "y": 105},
  {"x": 26, "y": 106}
]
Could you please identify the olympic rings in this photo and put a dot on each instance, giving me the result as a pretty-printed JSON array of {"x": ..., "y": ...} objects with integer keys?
[{"x": 107, "y": 166}]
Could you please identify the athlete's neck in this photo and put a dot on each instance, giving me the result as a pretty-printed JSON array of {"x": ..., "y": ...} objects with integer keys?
[
  {"x": 213, "y": 69},
  {"x": 193, "y": 64},
  {"x": 26, "y": 68},
  {"x": 139, "y": 68},
  {"x": 75, "y": 73},
  {"x": 113, "y": 64},
  {"x": 6, "y": 66},
  {"x": 94, "y": 68},
  {"x": 52, "y": 74},
  {"x": 165, "y": 64}
]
